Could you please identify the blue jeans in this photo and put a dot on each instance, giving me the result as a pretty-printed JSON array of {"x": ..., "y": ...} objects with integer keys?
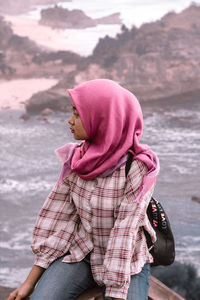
[{"x": 67, "y": 281}]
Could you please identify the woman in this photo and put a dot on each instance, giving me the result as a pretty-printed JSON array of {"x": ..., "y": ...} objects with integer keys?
[{"x": 89, "y": 231}]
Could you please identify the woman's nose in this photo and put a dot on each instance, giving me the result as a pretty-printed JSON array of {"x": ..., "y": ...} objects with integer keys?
[{"x": 70, "y": 121}]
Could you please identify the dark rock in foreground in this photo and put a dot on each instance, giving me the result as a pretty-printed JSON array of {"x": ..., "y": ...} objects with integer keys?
[
  {"x": 48, "y": 99},
  {"x": 25, "y": 116},
  {"x": 4, "y": 292},
  {"x": 196, "y": 199}
]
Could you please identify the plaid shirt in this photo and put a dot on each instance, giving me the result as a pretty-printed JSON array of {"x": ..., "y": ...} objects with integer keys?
[{"x": 101, "y": 216}]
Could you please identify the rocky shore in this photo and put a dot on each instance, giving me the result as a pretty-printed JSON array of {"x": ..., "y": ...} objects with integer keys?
[
  {"x": 155, "y": 61},
  {"x": 58, "y": 17}
]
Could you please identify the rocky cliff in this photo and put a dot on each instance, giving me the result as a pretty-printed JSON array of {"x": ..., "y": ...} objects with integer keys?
[
  {"x": 22, "y": 58},
  {"x": 58, "y": 17},
  {"x": 15, "y": 51},
  {"x": 158, "y": 60}
]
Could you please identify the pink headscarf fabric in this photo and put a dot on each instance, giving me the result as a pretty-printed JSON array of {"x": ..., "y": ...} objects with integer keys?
[{"x": 112, "y": 118}]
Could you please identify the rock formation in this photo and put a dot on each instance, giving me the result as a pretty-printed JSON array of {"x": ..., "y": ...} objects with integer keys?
[
  {"x": 22, "y": 6},
  {"x": 159, "y": 60},
  {"x": 15, "y": 52},
  {"x": 51, "y": 100},
  {"x": 58, "y": 17},
  {"x": 155, "y": 61},
  {"x": 21, "y": 57},
  {"x": 196, "y": 199}
]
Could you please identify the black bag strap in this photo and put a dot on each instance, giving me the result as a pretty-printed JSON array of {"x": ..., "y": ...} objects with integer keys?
[
  {"x": 163, "y": 250},
  {"x": 127, "y": 169},
  {"x": 128, "y": 163}
]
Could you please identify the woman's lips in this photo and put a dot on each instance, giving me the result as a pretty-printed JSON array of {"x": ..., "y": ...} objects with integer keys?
[{"x": 72, "y": 130}]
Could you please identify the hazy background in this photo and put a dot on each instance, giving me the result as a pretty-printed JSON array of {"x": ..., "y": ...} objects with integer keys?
[{"x": 29, "y": 167}]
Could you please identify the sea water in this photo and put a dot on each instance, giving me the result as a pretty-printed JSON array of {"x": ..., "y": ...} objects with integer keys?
[{"x": 29, "y": 169}]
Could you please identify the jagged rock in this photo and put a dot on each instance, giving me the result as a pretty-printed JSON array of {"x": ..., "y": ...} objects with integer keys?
[
  {"x": 48, "y": 99},
  {"x": 111, "y": 19},
  {"x": 154, "y": 61},
  {"x": 5, "y": 34},
  {"x": 196, "y": 199},
  {"x": 64, "y": 57},
  {"x": 15, "y": 51},
  {"x": 46, "y": 112},
  {"x": 43, "y": 119},
  {"x": 21, "y": 57},
  {"x": 58, "y": 17},
  {"x": 25, "y": 116}
]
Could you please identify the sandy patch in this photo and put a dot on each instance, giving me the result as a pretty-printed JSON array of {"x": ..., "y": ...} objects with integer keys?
[{"x": 15, "y": 93}]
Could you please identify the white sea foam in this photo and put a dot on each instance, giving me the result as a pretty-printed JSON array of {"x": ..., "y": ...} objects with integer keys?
[
  {"x": 13, "y": 277},
  {"x": 12, "y": 185},
  {"x": 180, "y": 169},
  {"x": 19, "y": 241}
]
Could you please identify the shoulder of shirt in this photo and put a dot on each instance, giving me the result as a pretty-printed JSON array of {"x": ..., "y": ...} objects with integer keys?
[{"x": 137, "y": 167}]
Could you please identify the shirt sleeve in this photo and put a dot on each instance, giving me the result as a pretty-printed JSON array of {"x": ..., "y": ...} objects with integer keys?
[
  {"x": 122, "y": 240},
  {"x": 55, "y": 226}
]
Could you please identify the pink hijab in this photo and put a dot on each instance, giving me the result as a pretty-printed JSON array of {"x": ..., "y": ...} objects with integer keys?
[{"x": 113, "y": 120}]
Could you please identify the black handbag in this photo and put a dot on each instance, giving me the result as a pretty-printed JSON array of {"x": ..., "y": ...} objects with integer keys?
[{"x": 163, "y": 250}]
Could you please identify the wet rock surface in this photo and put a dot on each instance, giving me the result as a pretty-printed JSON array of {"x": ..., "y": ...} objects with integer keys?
[
  {"x": 47, "y": 101},
  {"x": 196, "y": 199}
]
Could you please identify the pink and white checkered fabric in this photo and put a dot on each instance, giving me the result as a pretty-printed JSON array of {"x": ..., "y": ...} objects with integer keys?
[{"x": 101, "y": 216}]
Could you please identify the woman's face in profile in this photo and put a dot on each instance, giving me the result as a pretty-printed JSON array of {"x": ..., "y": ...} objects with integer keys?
[{"x": 76, "y": 126}]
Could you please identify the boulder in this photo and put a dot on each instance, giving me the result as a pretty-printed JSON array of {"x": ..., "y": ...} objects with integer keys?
[
  {"x": 42, "y": 119},
  {"x": 47, "y": 100},
  {"x": 196, "y": 199},
  {"x": 46, "y": 112},
  {"x": 58, "y": 17},
  {"x": 111, "y": 19},
  {"x": 26, "y": 116}
]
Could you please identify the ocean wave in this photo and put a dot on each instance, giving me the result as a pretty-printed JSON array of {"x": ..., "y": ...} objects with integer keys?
[
  {"x": 13, "y": 277},
  {"x": 18, "y": 241},
  {"x": 30, "y": 185}
]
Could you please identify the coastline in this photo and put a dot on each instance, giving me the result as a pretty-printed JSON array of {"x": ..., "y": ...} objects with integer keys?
[
  {"x": 17, "y": 91},
  {"x": 74, "y": 40},
  {"x": 44, "y": 36}
]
